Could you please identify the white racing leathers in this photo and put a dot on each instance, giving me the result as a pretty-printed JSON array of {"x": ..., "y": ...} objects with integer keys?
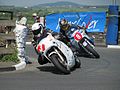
[{"x": 21, "y": 34}]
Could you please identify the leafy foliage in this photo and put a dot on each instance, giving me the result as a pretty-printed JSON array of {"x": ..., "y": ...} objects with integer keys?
[{"x": 9, "y": 57}]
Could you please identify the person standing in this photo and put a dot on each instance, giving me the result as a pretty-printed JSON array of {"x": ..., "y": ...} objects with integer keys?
[
  {"x": 36, "y": 18},
  {"x": 21, "y": 31}
]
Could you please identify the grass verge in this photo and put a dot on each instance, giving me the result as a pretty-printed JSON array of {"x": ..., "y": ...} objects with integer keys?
[{"x": 9, "y": 57}]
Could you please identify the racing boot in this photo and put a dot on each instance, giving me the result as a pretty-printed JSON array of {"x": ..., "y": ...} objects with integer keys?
[
  {"x": 77, "y": 62},
  {"x": 27, "y": 60},
  {"x": 42, "y": 60}
]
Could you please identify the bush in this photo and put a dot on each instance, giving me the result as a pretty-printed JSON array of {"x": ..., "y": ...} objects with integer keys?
[
  {"x": 12, "y": 58},
  {"x": 9, "y": 57}
]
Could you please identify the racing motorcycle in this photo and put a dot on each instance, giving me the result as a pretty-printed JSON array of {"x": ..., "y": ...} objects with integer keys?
[
  {"x": 79, "y": 39},
  {"x": 58, "y": 53}
]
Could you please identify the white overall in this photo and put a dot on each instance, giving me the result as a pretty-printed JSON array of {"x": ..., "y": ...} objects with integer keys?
[{"x": 21, "y": 34}]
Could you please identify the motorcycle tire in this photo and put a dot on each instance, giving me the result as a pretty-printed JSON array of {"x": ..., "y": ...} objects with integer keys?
[
  {"x": 57, "y": 62},
  {"x": 91, "y": 50}
]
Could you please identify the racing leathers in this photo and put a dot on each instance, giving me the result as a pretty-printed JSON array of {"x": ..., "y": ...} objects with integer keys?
[
  {"x": 72, "y": 43},
  {"x": 67, "y": 33}
]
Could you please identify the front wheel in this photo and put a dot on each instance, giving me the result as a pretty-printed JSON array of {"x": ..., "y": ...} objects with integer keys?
[
  {"x": 60, "y": 64},
  {"x": 91, "y": 50}
]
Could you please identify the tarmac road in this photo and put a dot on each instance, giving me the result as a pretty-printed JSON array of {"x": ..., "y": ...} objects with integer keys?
[{"x": 94, "y": 74}]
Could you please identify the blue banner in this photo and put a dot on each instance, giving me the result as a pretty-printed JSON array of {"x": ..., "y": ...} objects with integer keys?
[{"x": 94, "y": 21}]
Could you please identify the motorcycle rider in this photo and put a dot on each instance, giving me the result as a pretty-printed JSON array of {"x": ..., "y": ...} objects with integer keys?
[
  {"x": 39, "y": 32},
  {"x": 36, "y": 17},
  {"x": 65, "y": 29}
]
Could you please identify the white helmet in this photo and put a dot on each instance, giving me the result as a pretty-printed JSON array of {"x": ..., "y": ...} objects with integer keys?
[
  {"x": 37, "y": 26},
  {"x": 34, "y": 14}
]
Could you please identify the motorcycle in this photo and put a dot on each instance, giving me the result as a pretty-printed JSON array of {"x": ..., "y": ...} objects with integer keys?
[
  {"x": 57, "y": 52},
  {"x": 80, "y": 40}
]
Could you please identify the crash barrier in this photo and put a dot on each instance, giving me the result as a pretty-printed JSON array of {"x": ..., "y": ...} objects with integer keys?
[
  {"x": 6, "y": 32},
  {"x": 7, "y": 40}
]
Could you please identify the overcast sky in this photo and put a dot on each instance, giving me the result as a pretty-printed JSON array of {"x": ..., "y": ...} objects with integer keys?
[{"x": 23, "y": 3}]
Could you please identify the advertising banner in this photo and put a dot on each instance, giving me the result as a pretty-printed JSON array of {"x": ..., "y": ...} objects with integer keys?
[{"x": 94, "y": 21}]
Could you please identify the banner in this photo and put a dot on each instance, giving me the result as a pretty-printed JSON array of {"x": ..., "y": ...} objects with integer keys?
[{"x": 94, "y": 21}]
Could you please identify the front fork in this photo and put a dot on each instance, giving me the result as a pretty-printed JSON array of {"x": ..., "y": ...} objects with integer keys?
[
  {"x": 58, "y": 54},
  {"x": 62, "y": 59},
  {"x": 83, "y": 43}
]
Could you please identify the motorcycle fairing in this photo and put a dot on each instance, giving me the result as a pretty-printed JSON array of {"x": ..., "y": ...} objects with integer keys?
[{"x": 50, "y": 42}]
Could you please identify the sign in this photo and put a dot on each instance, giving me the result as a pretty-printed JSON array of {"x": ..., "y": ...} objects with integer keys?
[{"x": 94, "y": 21}]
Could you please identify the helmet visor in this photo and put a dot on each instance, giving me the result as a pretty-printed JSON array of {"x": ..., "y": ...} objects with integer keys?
[
  {"x": 36, "y": 32},
  {"x": 65, "y": 27}
]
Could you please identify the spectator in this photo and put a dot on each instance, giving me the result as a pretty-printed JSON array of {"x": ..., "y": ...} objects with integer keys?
[
  {"x": 36, "y": 17},
  {"x": 21, "y": 31}
]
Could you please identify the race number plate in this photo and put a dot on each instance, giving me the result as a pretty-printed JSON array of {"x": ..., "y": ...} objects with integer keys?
[
  {"x": 77, "y": 36},
  {"x": 84, "y": 43},
  {"x": 40, "y": 47}
]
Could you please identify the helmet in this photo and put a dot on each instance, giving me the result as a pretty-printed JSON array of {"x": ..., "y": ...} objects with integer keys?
[
  {"x": 37, "y": 28},
  {"x": 34, "y": 14},
  {"x": 64, "y": 24}
]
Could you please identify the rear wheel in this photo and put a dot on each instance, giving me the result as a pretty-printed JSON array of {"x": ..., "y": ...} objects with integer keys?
[
  {"x": 88, "y": 48},
  {"x": 59, "y": 63}
]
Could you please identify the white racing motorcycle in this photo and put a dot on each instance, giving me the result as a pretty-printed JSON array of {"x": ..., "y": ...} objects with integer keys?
[{"x": 57, "y": 53}]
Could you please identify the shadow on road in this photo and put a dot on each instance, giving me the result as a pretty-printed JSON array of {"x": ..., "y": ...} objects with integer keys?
[
  {"x": 51, "y": 69},
  {"x": 4, "y": 69}
]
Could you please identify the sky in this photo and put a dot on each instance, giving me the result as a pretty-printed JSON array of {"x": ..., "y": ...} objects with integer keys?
[{"x": 28, "y": 3}]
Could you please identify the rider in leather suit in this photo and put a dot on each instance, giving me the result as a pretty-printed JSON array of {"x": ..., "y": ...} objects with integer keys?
[
  {"x": 66, "y": 29},
  {"x": 39, "y": 32}
]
